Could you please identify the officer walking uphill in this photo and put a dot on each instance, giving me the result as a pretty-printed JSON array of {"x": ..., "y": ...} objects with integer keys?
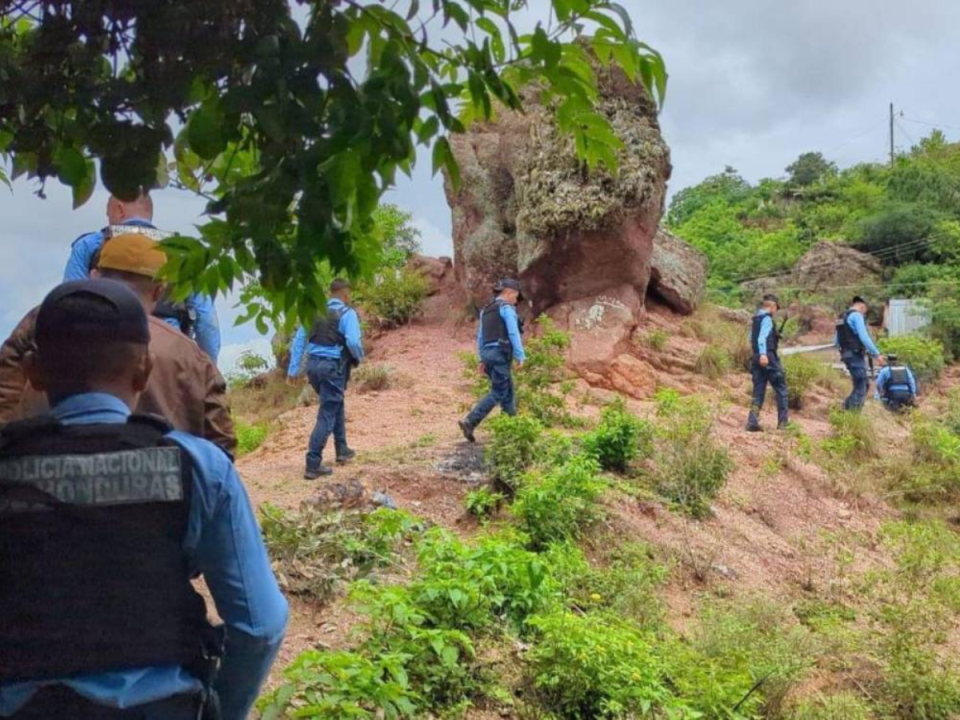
[
  {"x": 498, "y": 344},
  {"x": 335, "y": 346},
  {"x": 855, "y": 344},
  {"x": 765, "y": 366},
  {"x": 896, "y": 386},
  {"x": 105, "y": 518},
  {"x": 196, "y": 316},
  {"x": 185, "y": 386}
]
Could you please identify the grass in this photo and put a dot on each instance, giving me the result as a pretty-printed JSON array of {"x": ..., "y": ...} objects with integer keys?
[
  {"x": 265, "y": 402},
  {"x": 373, "y": 377},
  {"x": 250, "y": 436}
]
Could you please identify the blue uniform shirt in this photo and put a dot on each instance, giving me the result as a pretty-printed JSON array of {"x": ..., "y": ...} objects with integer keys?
[
  {"x": 856, "y": 323},
  {"x": 350, "y": 329},
  {"x": 207, "y": 329},
  {"x": 883, "y": 378},
  {"x": 509, "y": 314},
  {"x": 223, "y": 543},
  {"x": 766, "y": 327}
]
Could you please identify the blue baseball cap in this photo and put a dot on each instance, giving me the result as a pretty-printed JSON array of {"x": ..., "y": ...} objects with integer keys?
[{"x": 93, "y": 310}]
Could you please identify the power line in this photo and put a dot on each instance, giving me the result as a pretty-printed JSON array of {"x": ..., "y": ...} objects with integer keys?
[{"x": 930, "y": 124}]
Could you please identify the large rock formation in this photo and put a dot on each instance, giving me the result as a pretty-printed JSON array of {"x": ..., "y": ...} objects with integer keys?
[
  {"x": 825, "y": 268},
  {"x": 678, "y": 273},
  {"x": 527, "y": 206}
]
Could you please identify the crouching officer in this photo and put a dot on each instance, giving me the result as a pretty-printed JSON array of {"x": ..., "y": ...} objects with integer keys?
[
  {"x": 498, "y": 344},
  {"x": 105, "y": 519},
  {"x": 765, "y": 367},
  {"x": 855, "y": 344},
  {"x": 896, "y": 386},
  {"x": 335, "y": 346}
]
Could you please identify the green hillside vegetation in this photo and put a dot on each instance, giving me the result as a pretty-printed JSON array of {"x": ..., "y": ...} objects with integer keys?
[{"x": 907, "y": 215}]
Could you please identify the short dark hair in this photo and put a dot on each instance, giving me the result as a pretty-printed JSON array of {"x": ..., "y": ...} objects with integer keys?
[
  {"x": 74, "y": 365},
  {"x": 770, "y": 297},
  {"x": 858, "y": 299},
  {"x": 339, "y": 285}
]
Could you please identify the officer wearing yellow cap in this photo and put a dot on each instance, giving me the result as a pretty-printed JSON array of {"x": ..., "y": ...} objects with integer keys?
[{"x": 185, "y": 387}]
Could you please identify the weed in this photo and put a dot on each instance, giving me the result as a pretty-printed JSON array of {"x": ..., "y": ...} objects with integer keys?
[
  {"x": 852, "y": 436},
  {"x": 514, "y": 447},
  {"x": 691, "y": 467},
  {"x": 841, "y": 706},
  {"x": 934, "y": 475},
  {"x": 249, "y": 436},
  {"x": 558, "y": 505},
  {"x": 541, "y": 391},
  {"x": 372, "y": 377},
  {"x": 656, "y": 339},
  {"x": 395, "y": 297},
  {"x": 714, "y": 362},
  {"x": 483, "y": 503},
  {"x": 620, "y": 438},
  {"x": 802, "y": 373}
]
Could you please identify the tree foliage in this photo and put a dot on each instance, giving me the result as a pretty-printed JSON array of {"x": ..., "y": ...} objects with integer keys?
[
  {"x": 810, "y": 168},
  {"x": 291, "y": 121}
]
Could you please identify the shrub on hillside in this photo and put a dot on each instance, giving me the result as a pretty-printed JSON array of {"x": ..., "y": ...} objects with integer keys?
[
  {"x": 515, "y": 446},
  {"x": 852, "y": 436},
  {"x": 250, "y": 436},
  {"x": 395, "y": 297},
  {"x": 372, "y": 377},
  {"x": 925, "y": 356},
  {"x": 691, "y": 466},
  {"x": 558, "y": 505},
  {"x": 714, "y": 362},
  {"x": 935, "y": 473},
  {"x": 802, "y": 374},
  {"x": 619, "y": 439},
  {"x": 541, "y": 388},
  {"x": 841, "y": 706},
  {"x": 483, "y": 502}
]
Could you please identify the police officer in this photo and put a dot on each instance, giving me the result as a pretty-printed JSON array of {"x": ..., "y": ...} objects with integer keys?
[
  {"x": 196, "y": 316},
  {"x": 896, "y": 386},
  {"x": 105, "y": 519},
  {"x": 855, "y": 344},
  {"x": 185, "y": 386},
  {"x": 765, "y": 366},
  {"x": 335, "y": 346},
  {"x": 498, "y": 344}
]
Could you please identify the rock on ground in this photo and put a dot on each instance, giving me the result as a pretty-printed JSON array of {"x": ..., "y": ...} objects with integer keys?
[{"x": 678, "y": 273}]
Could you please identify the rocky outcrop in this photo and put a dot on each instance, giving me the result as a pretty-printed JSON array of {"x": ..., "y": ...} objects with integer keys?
[
  {"x": 678, "y": 273},
  {"x": 527, "y": 206},
  {"x": 825, "y": 268},
  {"x": 438, "y": 272}
]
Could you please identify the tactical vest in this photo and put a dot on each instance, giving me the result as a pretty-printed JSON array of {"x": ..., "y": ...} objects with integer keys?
[
  {"x": 93, "y": 577},
  {"x": 773, "y": 339},
  {"x": 899, "y": 375},
  {"x": 848, "y": 338},
  {"x": 166, "y": 309},
  {"x": 326, "y": 331}
]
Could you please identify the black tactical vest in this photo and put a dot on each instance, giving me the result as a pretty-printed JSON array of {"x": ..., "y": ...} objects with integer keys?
[
  {"x": 849, "y": 340},
  {"x": 493, "y": 326},
  {"x": 93, "y": 577},
  {"x": 899, "y": 376},
  {"x": 326, "y": 331},
  {"x": 166, "y": 309},
  {"x": 773, "y": 339}
]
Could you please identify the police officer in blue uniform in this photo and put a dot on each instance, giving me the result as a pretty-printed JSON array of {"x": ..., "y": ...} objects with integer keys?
[
  {"x": 335, "y": 346},
  {"x": 196, "y": 316},
  {"x": 499, "y": 344},
  {"x": 855, "y": 344},
  {"x": 896, "y": 386},
  {"x": 765, "y": 366},
  {"x": 105, "y": 519}
]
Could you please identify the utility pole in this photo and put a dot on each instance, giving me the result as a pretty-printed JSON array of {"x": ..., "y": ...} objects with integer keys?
[{"x": 891, "y": 136}]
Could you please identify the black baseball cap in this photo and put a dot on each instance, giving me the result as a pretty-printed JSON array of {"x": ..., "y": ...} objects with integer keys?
[
  {"x": 508, "y": 284},
  {"x": 112, "y": 313}
]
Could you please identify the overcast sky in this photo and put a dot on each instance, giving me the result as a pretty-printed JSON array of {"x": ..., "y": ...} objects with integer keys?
[{"x": 753, "y": 83}]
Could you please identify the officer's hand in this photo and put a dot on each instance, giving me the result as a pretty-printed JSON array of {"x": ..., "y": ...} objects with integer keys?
[
  {"x": 881, "y": 360},
  {"x": 764, "y": 361},
  {"x": 482, "y": 367},
  {"x": 519, "y": 366}
]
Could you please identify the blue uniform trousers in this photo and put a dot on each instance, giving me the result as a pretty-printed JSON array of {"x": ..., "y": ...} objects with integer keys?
[
  {"x": 329, "y": 378},
  {"x": 498, "y": 364},
  {"x": 857, "y": 366},
  {"x": 774, "y": 376}
]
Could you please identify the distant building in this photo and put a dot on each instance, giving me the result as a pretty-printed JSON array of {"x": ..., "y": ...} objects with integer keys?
[{"x": 905, "y": 317}]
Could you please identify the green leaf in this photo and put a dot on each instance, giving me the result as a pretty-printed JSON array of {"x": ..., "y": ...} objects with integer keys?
[
  {"x": 205, "y": 130},
  {"x": 443, "y": 158},
  {"x": 414, "y": 9},
  {"x": 71, "y": 166},
  {"x": 83, "y": 190},
  {"x": 428, "y": 129}
]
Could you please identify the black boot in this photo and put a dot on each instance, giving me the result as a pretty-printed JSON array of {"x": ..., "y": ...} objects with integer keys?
[
  {"x": 345, "y": 455},
  {"x": 753, "y": 423},
  {"x": 467, "y": 430},
  {"x": 319, "y": 471}
]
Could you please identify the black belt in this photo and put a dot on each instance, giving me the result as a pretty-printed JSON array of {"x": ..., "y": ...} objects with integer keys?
[{"x": 59, "y": 701}]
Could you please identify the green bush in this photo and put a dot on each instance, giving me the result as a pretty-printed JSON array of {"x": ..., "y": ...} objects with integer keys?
[
  {"x": 541, "y": 386},
  {"x": 852, "y": 436},
  {"x": 515, "y": 446},
  {"x": 483, "y": 503},
  {"x": 691, "y": 467},
  {"x": 372, "y": 377},
  {"x": 935, "y": 474},
  {"x": 395, "y": 297},
  {"x": 802, "y": 373},
  {"x": 594, "y": 666},
  {"x": 714, "y": 362},
  {"x": 619, "y": 439},
  {"x": 250, "y": 436},
  {"x": 558, "y": 505},
  {"x": 925, "y": 356},
  {"x": 656, "y": 339}
]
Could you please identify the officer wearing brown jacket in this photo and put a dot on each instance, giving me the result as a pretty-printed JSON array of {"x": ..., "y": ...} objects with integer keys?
[{"x": 185, "y": 386}]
